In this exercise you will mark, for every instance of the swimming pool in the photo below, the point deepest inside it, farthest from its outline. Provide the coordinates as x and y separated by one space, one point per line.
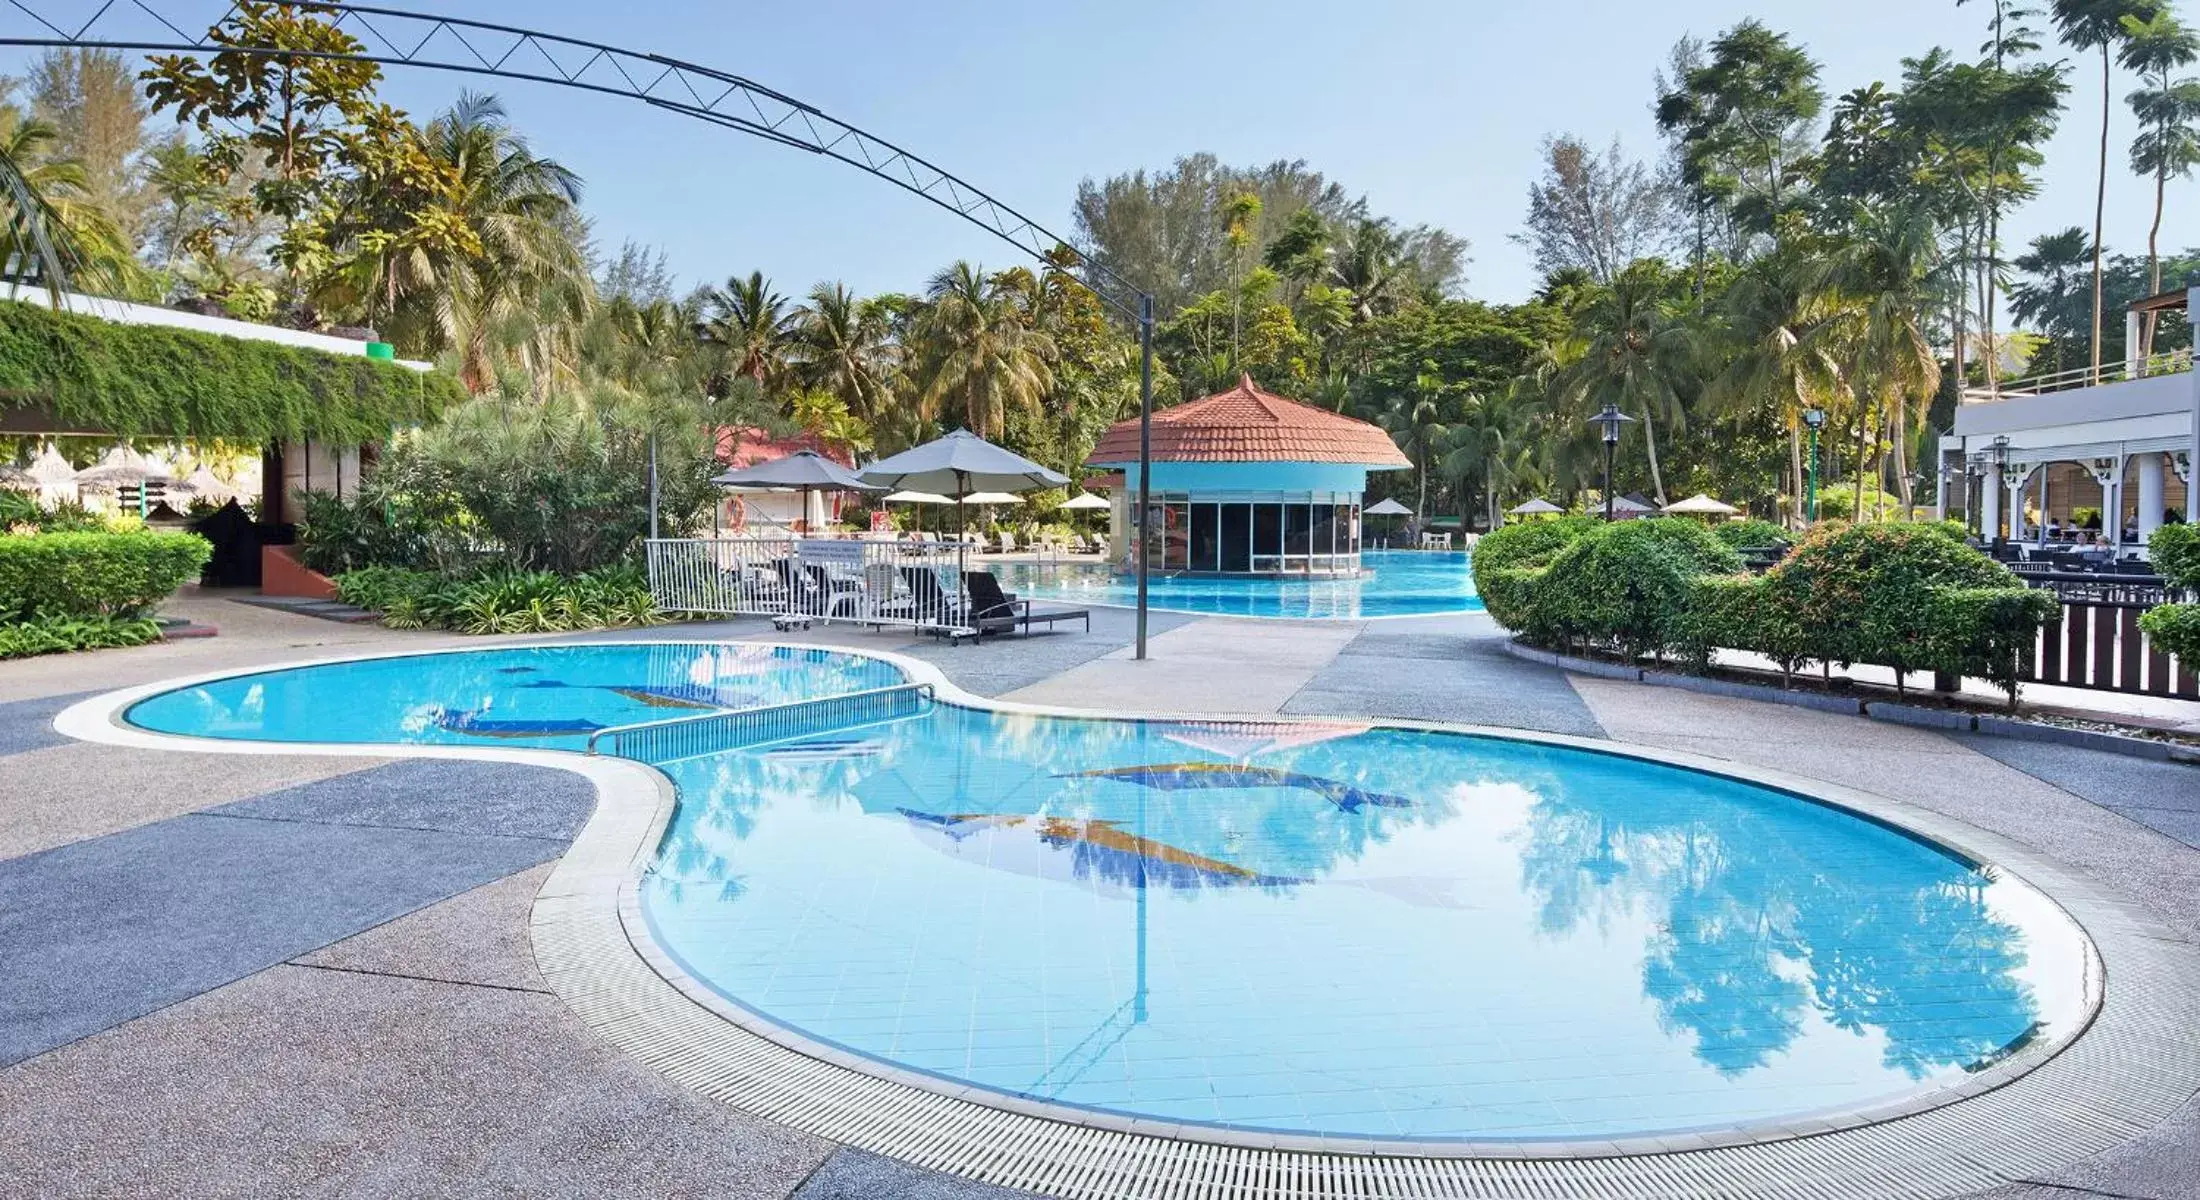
1321 926
1398 583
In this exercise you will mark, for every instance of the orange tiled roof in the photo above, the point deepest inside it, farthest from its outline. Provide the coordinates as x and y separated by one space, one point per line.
745 446
1246 424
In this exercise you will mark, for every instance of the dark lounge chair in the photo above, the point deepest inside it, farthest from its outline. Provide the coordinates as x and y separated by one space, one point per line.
995 611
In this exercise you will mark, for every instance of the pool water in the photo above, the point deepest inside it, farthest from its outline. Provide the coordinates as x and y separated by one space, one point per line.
1397 583
1319 926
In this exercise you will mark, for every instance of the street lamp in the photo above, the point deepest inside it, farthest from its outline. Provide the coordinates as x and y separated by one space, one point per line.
1813 417
1609 420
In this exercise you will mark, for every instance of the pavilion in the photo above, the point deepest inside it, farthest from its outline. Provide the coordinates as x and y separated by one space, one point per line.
1246 482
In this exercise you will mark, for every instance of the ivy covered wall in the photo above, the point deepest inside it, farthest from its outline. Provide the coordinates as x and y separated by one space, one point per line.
91 375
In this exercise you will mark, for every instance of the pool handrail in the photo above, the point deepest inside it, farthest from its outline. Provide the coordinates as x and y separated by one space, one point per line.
761 712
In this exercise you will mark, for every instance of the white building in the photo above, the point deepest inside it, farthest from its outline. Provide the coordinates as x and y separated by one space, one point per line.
2028 453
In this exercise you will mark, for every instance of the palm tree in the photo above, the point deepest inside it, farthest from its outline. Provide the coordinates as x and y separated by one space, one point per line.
2087 25
1882 281
48 227
1489 444
1639 354
1415 422
2049 293
976 354
840 347
2169 111
1768 321
753 326
490 261
1369 264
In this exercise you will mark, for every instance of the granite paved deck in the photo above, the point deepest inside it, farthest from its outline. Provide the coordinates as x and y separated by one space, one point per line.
369 1019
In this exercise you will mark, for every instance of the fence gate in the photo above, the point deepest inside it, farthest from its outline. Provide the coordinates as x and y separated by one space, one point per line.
2098 644
917 585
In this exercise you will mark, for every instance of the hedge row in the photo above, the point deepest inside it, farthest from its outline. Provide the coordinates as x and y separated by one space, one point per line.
502 601
60 635
64 575
132 379
1909 597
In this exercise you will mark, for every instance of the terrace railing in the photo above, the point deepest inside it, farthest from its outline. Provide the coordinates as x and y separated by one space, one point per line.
2098 644
679 738
2168 363
917 585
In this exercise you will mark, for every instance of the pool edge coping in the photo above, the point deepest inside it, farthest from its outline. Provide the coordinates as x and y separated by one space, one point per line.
596 952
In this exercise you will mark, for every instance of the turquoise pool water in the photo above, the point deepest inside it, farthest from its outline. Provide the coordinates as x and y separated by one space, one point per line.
1398 583
1316 926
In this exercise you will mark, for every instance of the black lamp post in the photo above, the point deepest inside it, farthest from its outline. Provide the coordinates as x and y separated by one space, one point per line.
1609 420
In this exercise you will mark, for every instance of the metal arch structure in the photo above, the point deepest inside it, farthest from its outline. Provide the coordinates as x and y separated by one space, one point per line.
400 38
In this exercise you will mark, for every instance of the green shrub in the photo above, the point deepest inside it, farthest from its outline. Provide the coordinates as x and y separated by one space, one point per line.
1988 633
94 574
1749 534
502 601
1508 560
21 508
2175 552
1630 584
60 635
2175 629
18 508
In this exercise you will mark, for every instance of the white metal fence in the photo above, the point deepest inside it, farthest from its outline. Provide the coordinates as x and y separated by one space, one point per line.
865 582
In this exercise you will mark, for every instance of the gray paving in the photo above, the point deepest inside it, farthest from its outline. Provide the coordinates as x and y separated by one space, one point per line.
1443 676
306 1082
28 724
852 1174
105 930
2163 796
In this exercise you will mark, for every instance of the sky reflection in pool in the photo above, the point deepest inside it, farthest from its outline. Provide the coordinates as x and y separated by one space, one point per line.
1521 942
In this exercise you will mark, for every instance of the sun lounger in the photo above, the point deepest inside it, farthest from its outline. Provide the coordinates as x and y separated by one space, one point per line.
995 611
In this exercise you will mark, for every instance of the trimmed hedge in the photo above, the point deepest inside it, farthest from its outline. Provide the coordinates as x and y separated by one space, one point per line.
2175 628
1905 596
94 574
1749 534
139 379
1508 560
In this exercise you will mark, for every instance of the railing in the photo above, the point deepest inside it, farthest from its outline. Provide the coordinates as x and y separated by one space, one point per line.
2167 363
2096 587
2099 645
678 738
917 585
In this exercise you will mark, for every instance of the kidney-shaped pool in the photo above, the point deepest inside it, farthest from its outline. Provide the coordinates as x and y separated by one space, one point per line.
1312 926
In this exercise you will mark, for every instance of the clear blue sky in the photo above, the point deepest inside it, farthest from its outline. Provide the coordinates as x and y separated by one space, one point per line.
1434 110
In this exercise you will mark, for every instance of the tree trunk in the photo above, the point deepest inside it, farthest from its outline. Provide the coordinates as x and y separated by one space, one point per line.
2100 212
1863 424
2154 263
1907 458
1650 440
1796 478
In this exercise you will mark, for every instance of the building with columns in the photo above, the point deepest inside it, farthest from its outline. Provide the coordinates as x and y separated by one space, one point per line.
2027 455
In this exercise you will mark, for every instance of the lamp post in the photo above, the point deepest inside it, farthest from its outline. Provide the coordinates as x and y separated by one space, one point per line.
1814 418
1609 421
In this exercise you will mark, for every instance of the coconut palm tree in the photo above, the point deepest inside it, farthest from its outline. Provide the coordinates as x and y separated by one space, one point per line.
1881 284
975 354
1369 265
1415 422
487 262
2089 25
1639 354
1768 321
753 327
49 229
1489 444
840 347
2169 122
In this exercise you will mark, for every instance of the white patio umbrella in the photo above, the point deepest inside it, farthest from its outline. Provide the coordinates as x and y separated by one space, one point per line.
1386 507
1701 505
52 477
203 484
916 498
991 498
1538 507
959 464
119 468
1083 500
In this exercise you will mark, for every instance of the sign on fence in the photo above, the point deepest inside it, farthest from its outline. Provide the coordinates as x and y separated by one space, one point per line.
830 552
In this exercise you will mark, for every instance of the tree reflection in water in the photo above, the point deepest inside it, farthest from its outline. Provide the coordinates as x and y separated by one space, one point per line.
1754 931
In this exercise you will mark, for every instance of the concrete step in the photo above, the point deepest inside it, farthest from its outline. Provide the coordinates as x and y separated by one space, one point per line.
326 610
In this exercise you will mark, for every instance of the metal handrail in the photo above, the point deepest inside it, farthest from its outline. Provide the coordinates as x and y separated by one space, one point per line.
2167 363
759 712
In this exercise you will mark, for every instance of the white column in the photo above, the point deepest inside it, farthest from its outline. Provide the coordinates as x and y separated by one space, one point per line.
1989 509
2150 494
2192 447
2018 480
2134 361
2041 492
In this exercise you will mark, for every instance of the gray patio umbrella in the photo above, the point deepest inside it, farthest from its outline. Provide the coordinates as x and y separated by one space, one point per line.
1386 508
805 471
959 464
1538 507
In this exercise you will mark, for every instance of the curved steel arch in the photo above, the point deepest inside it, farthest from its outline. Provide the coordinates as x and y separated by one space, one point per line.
396 37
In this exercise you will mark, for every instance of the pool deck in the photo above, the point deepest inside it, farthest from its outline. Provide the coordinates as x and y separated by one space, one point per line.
293 974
